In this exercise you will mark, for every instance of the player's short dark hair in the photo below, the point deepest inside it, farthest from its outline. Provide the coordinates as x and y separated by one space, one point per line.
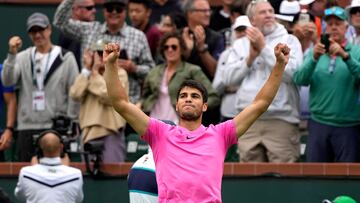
194 84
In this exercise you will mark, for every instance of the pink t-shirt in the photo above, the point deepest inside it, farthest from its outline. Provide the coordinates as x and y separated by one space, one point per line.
189 164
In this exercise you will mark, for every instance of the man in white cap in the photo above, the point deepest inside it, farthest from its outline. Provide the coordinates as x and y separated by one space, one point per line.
44 74
354 19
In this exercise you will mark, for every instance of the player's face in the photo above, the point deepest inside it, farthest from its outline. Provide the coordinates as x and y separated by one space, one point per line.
190 105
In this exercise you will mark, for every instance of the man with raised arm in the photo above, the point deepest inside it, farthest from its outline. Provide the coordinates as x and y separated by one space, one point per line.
189 157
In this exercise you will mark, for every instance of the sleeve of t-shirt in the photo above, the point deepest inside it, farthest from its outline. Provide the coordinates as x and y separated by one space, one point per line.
154 132
228 130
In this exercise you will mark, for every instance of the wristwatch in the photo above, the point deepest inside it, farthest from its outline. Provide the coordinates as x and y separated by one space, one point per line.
204 49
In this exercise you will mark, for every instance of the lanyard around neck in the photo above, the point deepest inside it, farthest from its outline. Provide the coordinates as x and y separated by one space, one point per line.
38 69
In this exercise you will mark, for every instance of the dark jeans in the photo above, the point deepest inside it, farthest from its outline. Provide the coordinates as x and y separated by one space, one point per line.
332 144
25 145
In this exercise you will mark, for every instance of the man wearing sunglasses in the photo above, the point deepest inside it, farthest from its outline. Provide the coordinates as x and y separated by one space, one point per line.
114 29
83 10
354 19
331 70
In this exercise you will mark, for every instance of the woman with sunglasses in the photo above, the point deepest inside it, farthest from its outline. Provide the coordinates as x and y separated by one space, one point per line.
162 83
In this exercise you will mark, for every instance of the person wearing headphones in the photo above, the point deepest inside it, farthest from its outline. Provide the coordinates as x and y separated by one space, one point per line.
50 180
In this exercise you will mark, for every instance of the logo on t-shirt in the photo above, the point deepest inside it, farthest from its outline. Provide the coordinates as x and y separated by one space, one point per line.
188 137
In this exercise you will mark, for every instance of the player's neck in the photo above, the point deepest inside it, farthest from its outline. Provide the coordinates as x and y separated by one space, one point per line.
190 125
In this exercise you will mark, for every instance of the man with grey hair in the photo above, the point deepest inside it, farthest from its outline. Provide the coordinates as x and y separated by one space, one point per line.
274 137
204 45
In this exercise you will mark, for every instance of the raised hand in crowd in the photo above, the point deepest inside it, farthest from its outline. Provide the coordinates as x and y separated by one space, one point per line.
305 31
188 37
336 49
15 44
127 64
319 49
199 34
256 38
88 59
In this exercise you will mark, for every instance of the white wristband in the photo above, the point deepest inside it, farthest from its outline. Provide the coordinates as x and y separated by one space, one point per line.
86 72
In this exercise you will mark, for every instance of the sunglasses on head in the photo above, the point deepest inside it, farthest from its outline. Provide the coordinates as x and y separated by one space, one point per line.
89 8
111 8
173 47
334 11
355 10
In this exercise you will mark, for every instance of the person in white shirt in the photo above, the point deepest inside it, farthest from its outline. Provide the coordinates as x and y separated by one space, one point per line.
50 180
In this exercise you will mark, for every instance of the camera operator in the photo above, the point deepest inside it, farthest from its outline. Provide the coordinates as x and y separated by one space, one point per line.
50 180
331 70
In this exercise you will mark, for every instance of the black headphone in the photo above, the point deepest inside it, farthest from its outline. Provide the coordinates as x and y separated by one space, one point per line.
39 152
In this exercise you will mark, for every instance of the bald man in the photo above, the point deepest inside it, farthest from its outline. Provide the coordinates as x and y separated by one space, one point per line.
50 180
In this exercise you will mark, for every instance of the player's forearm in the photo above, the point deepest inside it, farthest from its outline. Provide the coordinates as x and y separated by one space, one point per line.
271 86
116 91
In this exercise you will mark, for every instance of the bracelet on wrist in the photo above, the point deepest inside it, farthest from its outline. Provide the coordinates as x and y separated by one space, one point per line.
10 128
204 49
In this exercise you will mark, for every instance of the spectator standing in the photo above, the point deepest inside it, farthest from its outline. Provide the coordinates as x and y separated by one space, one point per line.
139 13
274 137
162 83
7 100
204 45
354 19
50 180
43 74
333 76
163 7
98 120
220 17
114 29
82 10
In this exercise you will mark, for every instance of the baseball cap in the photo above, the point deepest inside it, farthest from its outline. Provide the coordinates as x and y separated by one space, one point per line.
335 11
306 2
241 21
354 4
123 2
37 19
288 9
341 199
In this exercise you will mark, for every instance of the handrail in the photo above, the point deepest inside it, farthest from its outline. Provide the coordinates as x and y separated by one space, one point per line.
230 169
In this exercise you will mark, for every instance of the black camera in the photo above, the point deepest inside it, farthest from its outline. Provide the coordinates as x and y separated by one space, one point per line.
94 146
64 128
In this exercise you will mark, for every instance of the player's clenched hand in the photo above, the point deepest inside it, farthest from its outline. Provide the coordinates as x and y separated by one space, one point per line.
111 53
282 53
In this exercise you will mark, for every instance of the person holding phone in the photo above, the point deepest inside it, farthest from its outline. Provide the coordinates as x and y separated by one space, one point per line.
98 120
333 77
